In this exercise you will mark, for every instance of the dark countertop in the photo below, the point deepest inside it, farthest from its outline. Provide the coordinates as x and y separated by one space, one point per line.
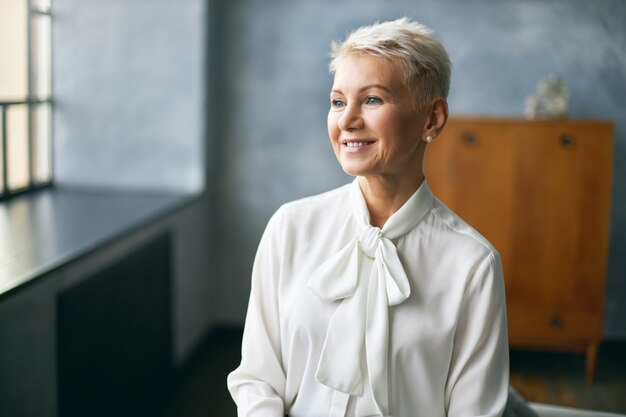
45 229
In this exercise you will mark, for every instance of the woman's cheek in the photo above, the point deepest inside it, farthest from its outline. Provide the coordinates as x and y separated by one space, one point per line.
333 129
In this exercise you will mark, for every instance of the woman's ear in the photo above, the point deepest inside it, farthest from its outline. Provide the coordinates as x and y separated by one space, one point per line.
436 118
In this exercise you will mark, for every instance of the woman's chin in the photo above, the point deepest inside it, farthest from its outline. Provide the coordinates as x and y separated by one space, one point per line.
355 170
354 163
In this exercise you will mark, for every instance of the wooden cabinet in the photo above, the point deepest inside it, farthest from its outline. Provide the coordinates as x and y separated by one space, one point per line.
540 192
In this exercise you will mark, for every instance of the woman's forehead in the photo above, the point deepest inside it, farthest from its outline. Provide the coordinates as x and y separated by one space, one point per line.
359 70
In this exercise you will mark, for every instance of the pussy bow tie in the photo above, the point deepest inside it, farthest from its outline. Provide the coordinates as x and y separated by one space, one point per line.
368 277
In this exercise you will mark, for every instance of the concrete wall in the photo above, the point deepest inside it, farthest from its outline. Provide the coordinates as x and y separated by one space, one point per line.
128 90
273 99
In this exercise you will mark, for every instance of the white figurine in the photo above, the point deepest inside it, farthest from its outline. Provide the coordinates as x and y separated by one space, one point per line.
549 101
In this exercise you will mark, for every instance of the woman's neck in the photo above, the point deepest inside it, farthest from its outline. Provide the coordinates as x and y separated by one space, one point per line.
384 195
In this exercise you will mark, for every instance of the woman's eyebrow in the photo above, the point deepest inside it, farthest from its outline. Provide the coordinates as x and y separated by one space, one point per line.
366 87
380 86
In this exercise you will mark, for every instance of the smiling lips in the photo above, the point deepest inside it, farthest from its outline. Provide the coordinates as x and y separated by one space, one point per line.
356 145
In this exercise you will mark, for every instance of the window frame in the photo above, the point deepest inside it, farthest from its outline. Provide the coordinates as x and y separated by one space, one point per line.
32 101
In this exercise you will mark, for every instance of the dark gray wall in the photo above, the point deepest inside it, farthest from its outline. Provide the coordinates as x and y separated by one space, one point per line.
129 88
274 98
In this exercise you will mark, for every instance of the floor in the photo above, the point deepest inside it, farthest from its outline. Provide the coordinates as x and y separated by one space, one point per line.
547 377
202 388
559 378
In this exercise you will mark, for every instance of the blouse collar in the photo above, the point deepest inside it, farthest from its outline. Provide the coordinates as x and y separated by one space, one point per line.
403 220
358 333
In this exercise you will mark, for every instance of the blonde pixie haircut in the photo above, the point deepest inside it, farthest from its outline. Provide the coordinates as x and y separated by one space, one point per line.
423 61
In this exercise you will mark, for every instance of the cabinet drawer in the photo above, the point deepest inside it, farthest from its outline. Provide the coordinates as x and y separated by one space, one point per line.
528 325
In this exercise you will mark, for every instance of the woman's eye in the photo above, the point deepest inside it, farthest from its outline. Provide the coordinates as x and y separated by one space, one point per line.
373 100
337 103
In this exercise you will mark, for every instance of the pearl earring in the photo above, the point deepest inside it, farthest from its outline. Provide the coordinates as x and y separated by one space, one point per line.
429 139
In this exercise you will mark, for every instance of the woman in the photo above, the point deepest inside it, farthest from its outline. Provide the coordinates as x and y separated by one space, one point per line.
374 299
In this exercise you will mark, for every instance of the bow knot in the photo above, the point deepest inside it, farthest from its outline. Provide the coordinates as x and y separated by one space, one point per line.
369 240
368 277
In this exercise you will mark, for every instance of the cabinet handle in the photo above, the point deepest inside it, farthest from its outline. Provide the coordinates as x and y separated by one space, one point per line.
469 139
556 322
567 141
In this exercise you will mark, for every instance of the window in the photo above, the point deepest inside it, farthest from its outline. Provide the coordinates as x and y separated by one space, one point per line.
25 95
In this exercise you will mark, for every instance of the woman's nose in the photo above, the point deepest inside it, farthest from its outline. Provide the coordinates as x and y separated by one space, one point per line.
350 119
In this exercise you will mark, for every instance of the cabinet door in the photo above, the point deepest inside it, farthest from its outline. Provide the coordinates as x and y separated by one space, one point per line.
540 192
114 337
560 243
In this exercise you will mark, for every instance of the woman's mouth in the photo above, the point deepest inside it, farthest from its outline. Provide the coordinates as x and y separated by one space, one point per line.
357 145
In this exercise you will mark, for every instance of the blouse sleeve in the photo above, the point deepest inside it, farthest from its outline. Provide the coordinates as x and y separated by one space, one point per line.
258 384
479 371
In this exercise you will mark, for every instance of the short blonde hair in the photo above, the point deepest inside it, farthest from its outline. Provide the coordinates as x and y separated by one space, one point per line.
424 62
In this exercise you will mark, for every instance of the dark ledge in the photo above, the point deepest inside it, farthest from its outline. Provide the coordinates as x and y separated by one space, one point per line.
45 229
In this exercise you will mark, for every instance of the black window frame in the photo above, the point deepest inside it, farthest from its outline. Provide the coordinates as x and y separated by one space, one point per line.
32 102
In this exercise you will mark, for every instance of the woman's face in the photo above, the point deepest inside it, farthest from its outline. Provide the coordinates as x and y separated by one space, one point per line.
373 124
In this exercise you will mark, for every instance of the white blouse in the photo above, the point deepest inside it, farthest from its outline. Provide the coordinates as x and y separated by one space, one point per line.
346 319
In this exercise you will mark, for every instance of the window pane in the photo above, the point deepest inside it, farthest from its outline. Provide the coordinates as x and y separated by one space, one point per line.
17 146
13 49
42 167
41 55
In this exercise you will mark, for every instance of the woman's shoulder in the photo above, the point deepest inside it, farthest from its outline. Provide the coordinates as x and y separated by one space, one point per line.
457 229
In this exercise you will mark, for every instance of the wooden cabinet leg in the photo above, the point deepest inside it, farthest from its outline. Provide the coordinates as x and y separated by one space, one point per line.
590 361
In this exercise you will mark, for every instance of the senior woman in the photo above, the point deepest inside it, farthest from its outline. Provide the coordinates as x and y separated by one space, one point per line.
374 299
